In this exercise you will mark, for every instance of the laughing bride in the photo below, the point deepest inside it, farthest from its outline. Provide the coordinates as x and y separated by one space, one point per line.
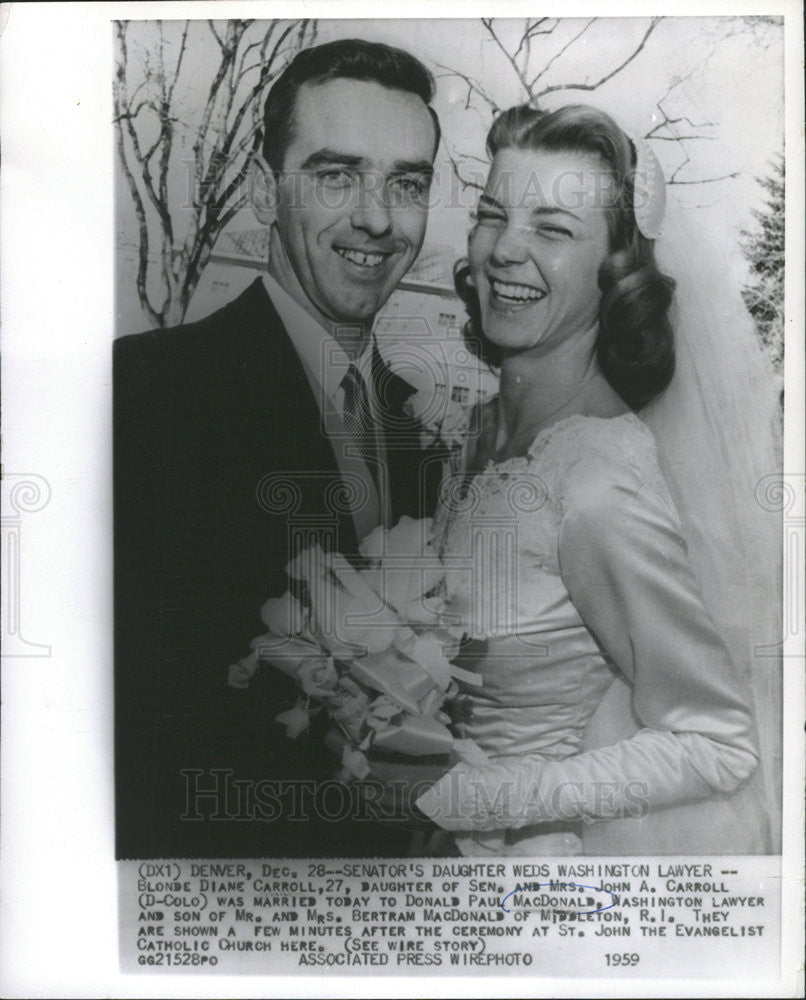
615 714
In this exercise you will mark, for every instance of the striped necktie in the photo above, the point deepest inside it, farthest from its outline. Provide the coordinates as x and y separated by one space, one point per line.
358 418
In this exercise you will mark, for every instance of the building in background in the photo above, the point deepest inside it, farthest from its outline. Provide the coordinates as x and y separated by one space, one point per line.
426 291
419 330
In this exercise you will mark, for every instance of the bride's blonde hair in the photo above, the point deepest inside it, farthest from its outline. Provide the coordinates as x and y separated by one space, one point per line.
635 345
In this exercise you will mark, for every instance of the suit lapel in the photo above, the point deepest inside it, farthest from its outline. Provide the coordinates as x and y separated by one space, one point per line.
300 449
414 474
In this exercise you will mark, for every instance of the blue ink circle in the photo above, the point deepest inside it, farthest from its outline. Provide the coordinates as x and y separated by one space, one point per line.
570 885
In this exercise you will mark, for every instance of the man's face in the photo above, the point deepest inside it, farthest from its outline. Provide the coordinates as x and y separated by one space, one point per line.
351 200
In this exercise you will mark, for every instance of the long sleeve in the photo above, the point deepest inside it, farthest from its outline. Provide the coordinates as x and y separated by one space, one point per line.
624 564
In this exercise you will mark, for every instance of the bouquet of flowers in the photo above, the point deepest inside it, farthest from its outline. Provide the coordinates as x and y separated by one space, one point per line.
371 647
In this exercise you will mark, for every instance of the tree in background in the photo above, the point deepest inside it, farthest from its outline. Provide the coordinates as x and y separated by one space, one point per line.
763 246
158 130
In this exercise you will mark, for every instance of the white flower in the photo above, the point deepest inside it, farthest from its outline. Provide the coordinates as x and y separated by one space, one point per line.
353 765
318 676
432 702
444 411
347 706
296 720
241 673
347 616
404 568
409 537
372 547
284 615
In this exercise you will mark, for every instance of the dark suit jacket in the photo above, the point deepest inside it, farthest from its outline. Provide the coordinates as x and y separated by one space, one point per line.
219 451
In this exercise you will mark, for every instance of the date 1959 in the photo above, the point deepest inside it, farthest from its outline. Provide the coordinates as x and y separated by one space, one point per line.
623 958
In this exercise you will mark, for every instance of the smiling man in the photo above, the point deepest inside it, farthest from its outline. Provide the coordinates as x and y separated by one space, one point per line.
347 201
240 437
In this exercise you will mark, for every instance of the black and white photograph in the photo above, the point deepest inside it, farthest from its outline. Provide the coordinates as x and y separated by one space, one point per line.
596 614
446 597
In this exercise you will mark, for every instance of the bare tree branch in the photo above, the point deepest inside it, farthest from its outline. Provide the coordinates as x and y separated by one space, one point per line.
673 127
210 104
607 76
166 142
149 131
682 138
559 54
120 100
142 162
702 180
182 46
133 113
218 38
472 87
668 121
533 29
261 45
488 24
265 77
466 182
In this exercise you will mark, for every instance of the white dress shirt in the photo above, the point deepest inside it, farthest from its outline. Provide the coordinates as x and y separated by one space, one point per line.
325 364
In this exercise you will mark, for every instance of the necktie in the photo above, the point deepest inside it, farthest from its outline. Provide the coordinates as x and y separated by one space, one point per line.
358 418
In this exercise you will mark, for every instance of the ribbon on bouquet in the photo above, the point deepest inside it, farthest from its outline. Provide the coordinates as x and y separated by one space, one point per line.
285 652
428 652
402 680
413 735
433 651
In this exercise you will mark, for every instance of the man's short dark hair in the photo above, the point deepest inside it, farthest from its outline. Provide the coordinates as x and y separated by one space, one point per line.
349 59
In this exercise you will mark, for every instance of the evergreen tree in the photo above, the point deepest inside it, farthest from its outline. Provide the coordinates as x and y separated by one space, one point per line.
763 246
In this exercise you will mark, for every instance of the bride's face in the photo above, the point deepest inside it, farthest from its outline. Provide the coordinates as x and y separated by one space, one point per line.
539 241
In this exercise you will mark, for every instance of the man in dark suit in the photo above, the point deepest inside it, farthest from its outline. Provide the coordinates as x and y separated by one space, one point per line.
237 438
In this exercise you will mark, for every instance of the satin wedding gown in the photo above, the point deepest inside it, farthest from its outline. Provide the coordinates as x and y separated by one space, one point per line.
571 577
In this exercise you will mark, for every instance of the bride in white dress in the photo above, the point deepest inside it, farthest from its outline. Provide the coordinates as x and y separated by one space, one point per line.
613 714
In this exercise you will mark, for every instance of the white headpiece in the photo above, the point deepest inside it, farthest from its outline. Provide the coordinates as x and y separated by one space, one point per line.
649 197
